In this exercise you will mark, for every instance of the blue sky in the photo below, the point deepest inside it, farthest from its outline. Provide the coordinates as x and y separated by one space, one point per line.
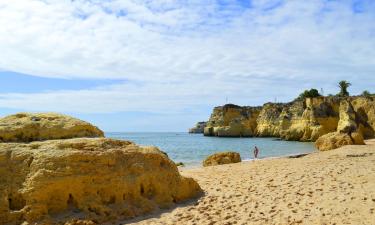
162 65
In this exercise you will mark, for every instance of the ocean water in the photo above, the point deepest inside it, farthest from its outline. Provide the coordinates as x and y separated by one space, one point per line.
192 149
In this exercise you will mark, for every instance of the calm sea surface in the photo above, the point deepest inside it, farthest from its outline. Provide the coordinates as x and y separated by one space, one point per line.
192 149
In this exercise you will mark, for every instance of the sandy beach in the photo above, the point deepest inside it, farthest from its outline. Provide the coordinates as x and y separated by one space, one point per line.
333 187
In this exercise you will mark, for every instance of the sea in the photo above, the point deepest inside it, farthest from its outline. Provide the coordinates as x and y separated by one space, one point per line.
192 149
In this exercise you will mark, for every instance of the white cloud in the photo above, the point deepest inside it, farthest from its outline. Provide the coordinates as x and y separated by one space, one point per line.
179 54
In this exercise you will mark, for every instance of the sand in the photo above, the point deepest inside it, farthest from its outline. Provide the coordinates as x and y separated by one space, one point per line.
334 187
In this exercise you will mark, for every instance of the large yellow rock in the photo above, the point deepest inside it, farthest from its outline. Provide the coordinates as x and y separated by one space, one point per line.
27 127
92 178
221 158
335 140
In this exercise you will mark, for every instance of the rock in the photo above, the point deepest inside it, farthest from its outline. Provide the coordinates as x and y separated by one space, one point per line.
332 141
80 222
232 121
199 128
349 129
27 127
365 115
298 120
347 122
336 139
98 179
222 158
357 138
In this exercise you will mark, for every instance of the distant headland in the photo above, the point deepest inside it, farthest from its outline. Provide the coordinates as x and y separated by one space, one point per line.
311 116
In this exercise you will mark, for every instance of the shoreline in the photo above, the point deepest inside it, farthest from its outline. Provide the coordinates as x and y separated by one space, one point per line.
336 186
295 155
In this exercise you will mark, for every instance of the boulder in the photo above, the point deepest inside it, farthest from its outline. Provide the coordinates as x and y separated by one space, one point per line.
357 138
96 179
335 140
222 158
27 127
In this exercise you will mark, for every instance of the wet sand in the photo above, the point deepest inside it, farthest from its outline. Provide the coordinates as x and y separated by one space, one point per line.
334 187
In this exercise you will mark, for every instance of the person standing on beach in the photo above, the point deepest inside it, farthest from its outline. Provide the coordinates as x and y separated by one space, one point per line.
256 152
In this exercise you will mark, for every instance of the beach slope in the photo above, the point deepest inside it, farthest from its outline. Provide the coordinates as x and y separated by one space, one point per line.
333 187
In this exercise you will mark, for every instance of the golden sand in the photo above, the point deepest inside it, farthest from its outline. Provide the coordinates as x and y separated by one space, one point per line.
334 187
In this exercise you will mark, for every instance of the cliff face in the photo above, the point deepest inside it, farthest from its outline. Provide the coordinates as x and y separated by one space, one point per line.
300 120
232 121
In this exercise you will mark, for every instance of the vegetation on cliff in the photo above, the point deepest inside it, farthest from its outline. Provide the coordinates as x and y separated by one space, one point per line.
344 85
312 93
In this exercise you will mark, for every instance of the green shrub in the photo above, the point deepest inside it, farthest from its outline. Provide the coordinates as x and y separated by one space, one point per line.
308 94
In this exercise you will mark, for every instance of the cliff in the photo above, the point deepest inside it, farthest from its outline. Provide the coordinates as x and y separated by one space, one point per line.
96 179
198 128
299 120
232 121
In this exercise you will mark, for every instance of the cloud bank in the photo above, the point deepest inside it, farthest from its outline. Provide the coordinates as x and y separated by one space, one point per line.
175 55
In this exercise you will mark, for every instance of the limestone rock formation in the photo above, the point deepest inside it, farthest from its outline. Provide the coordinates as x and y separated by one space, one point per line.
299 120
335 140
199 128
232 121
96 179
222 158
27 127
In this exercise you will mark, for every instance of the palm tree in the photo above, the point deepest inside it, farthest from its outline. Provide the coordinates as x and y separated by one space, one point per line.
343 85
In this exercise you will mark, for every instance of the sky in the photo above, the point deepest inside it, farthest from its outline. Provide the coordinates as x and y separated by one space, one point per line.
162 65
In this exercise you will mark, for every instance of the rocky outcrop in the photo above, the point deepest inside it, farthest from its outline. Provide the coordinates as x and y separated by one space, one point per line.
27 127
222 158
95 179
299 120
101 179
349 131
335 140
199 128
232 121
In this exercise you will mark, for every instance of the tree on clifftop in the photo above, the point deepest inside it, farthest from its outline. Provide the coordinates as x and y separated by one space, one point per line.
366 94
309 94
343 85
